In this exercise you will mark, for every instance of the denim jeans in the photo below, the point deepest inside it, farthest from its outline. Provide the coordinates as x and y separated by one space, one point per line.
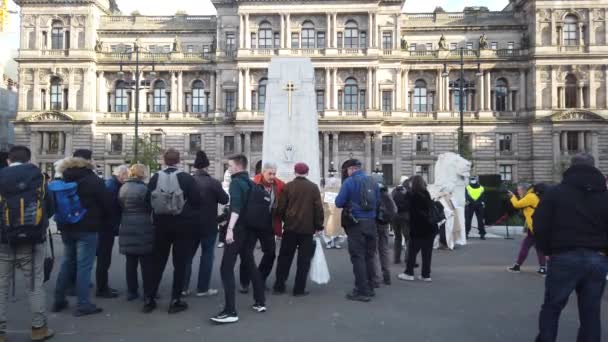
580 270
79 254
205 266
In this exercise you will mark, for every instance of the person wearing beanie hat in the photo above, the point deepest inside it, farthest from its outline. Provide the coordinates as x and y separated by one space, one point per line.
83 153
475 205
212 194
302 212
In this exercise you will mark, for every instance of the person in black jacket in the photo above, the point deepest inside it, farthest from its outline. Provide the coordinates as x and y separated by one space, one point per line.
212 194
571 227
422 232
177 231
80 239
401 221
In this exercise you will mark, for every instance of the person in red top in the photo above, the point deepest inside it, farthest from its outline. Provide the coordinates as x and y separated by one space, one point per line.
274 187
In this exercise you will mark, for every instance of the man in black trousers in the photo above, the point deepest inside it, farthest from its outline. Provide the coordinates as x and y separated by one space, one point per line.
301 209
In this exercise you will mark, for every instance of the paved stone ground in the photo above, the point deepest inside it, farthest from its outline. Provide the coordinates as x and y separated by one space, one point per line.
472 298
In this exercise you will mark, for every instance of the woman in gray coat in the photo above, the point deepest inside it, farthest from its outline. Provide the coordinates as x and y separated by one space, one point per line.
136 234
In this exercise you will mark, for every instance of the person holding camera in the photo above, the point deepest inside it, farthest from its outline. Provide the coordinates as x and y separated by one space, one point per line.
360 195
527 200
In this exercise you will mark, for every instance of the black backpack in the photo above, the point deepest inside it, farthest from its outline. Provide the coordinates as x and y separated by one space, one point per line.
367 194
402 199
258 216
437 213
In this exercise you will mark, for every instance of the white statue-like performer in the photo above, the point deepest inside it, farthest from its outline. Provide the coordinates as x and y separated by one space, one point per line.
451 175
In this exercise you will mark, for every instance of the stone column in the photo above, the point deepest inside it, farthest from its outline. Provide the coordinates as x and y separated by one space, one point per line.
398 88
335 89
37 101
288 33
522 90
580 102
553 30
61 143
173 92
368 152
556 148
248 148
325 154
218 104
35 145
397 40
404 90
592 103
581 141
488 89
142 96
69 144
378 147
238 142
329 35
564 148
591 28
212 89
282 30
327 88
370 90
481 92
241 90
581 33
370 30
100 92
335 30
336 150
71 90
509 101
595 151
219 156
376 90
45 142
247 37
247 89
553 87
537 89
241 31
180 92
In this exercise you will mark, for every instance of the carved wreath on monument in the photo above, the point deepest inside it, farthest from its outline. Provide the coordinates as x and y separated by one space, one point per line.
289 153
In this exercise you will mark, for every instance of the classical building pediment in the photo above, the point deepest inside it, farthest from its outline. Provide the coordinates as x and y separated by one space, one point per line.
576 115
49 117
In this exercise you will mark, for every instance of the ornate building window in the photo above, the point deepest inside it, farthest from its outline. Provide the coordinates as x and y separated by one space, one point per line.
160 97
571 95
420 97
121 100
423 171
198 97
387 101
116 143
502 92
57 34
506 172
456 95
262 94
308 35
351 91
265 36
351 35
56 94
570 30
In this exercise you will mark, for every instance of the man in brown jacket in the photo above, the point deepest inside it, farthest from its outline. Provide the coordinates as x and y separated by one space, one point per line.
301 210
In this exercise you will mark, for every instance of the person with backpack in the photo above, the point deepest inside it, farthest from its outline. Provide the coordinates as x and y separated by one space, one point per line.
212 195
267 178
81 210
571 228
25 208
387 210
301 210
242 217
360 194
527 201
401 221
424 217
175 201
107 236
136 233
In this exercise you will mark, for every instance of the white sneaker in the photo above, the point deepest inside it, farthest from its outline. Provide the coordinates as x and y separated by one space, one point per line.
428 280
220 245
259 307
225 317
209 293
403 276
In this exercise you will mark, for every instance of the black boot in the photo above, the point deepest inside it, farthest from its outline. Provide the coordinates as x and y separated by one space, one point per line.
149 305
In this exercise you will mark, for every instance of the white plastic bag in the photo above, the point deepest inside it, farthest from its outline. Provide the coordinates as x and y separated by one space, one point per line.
319 272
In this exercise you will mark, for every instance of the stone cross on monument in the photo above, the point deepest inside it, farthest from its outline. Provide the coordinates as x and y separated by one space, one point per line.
290 88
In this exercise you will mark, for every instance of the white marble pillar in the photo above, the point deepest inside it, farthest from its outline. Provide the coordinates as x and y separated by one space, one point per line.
61 142
288 31
247 35
180 92
45 142
446 94
329 35
335 29
580 101
581 34
481 92
238 142
282 30
553 29
397 38
378 147
336 149
173 92
398 88
553 87
325 154
370 30
37 100
247 89
591 28
142 96
370 88
327 88
488 89
405 88
241 31
556 153
69 144
376 90
368 153
100 92
71 90
213 87
538 100
595 151
591 89
564 148
522 90
248 148
218 91
581 141
335 87
241 90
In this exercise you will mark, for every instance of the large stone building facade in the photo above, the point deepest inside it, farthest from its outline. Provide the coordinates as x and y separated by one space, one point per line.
535 82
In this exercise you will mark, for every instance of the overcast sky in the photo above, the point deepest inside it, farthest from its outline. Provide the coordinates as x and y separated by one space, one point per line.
10 38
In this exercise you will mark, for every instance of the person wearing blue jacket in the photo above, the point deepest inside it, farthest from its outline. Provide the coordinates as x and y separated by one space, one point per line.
360 195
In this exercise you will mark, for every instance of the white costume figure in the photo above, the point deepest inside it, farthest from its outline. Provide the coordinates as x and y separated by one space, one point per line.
451 175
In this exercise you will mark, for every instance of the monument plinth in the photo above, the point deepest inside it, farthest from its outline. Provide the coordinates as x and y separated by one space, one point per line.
291 132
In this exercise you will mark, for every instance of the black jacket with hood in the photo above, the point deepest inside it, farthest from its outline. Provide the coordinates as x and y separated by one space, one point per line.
92 193
573 214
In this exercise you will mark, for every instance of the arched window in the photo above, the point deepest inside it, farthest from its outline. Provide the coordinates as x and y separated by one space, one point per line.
262 94
457 97
57 35
570 30
350 95
420 96
571 95
56 94
160 97
351 35
198 97
308 35
265 36
121 98
501 92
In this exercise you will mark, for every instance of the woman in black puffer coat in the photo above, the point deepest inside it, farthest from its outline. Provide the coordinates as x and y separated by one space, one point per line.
422 231
136 234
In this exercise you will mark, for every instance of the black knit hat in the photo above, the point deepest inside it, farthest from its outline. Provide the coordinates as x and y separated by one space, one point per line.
83 153
201 160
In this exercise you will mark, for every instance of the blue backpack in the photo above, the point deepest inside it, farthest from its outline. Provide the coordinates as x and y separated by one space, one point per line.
68 209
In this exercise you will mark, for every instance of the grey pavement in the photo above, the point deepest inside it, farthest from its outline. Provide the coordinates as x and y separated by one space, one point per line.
472 298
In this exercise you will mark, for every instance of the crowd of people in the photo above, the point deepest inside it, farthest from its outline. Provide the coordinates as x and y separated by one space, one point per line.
177 213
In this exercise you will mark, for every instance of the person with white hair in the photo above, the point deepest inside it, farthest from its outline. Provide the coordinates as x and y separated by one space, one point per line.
105 242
